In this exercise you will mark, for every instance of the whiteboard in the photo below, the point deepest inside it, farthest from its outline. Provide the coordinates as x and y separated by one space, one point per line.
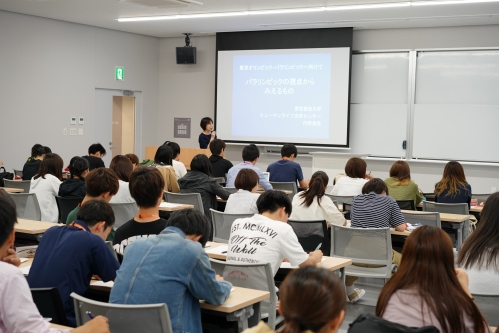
456 114
379 103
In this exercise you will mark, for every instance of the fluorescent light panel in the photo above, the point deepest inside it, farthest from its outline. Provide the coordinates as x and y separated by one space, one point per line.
301 10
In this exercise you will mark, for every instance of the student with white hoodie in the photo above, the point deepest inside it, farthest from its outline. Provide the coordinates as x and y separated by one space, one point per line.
45 184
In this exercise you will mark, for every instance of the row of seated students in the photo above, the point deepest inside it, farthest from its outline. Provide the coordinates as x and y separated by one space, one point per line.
173 268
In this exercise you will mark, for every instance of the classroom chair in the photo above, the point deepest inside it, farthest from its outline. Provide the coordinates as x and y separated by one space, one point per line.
123 212
23 184
489 307
310 234
49 304
364 246
429 196
221 223
220 180
347 210
27 206
257 276
425 218
458 208
406 204
65 205
287 186
18 173
125 318
231 190
185 198
341 199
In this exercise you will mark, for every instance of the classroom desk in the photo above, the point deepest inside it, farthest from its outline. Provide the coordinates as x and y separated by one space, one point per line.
476 209
60 327
258 191
12 189
172 207
33 227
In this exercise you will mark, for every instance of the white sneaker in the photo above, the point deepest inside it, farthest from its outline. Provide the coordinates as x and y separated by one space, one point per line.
356 295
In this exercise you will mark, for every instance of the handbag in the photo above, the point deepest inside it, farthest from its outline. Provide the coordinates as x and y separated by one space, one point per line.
372 324
5 175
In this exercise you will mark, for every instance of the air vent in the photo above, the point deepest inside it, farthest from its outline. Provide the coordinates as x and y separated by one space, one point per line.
162 3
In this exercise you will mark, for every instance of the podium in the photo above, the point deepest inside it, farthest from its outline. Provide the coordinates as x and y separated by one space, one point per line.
186 154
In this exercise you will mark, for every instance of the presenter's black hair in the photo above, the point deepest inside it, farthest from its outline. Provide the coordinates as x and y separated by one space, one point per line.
204 122
191 222
96 148
250 153
288 149
272 200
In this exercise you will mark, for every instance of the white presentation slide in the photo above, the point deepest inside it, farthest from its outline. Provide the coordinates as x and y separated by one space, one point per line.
291 95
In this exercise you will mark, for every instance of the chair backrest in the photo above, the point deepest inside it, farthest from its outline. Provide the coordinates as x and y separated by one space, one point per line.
231 190
341 199
123 212
480 197
220 180
125 318
186 198
27 206
18 173
406 204
254 276
289 186
23 184
221 223
65 205
310 234
347 210
425 218
489 307
430 196
365 246
49 304
457 208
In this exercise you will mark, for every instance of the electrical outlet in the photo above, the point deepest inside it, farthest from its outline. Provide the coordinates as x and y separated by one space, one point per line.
493 190
72 131
80 131
64 131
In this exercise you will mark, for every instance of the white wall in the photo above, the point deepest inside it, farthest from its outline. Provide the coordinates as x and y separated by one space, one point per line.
49 71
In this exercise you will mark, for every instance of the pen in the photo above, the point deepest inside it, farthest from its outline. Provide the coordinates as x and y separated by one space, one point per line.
89 314
318 247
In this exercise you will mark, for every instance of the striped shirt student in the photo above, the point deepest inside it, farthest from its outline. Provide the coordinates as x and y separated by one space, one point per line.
373 210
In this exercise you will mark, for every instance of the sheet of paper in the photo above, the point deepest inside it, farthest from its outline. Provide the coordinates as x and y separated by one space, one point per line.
23 260
108 284
288 265
169 205
222 249
25 270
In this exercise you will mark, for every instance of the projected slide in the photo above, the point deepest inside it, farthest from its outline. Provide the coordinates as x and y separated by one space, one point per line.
293 95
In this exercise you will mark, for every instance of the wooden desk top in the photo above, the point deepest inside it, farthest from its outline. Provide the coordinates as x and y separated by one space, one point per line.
33 227
476 209
172 207
444 217
26 263
238 299
12 189
60 327
400 233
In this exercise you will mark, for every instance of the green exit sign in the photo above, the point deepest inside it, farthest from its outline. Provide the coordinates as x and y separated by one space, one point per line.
120 73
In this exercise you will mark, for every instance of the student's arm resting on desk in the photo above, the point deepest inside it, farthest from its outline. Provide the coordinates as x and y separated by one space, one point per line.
262 180
331 214
293 251
397 220
203 283
219 190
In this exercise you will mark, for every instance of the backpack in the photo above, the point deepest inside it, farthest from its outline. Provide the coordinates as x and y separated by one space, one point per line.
372 324
5 175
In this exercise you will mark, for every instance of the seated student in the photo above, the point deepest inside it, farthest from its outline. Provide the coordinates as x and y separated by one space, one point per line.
45 184
374 209
427 289
18 313
179 167
208 133
219 164
200 180
183 277
312 204
453 187
355 178
101 184
67 257
244 200
95 154
287 170
277 240
303 295
163 162
479 255
30 168
401 186
146 187
250 157
134 159
75 185
122 167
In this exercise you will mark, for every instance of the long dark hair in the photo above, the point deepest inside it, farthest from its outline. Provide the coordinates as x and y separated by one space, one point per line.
201 163
310 298
427 266
77 166
452 179
316 188
51 164
482 246
164 155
